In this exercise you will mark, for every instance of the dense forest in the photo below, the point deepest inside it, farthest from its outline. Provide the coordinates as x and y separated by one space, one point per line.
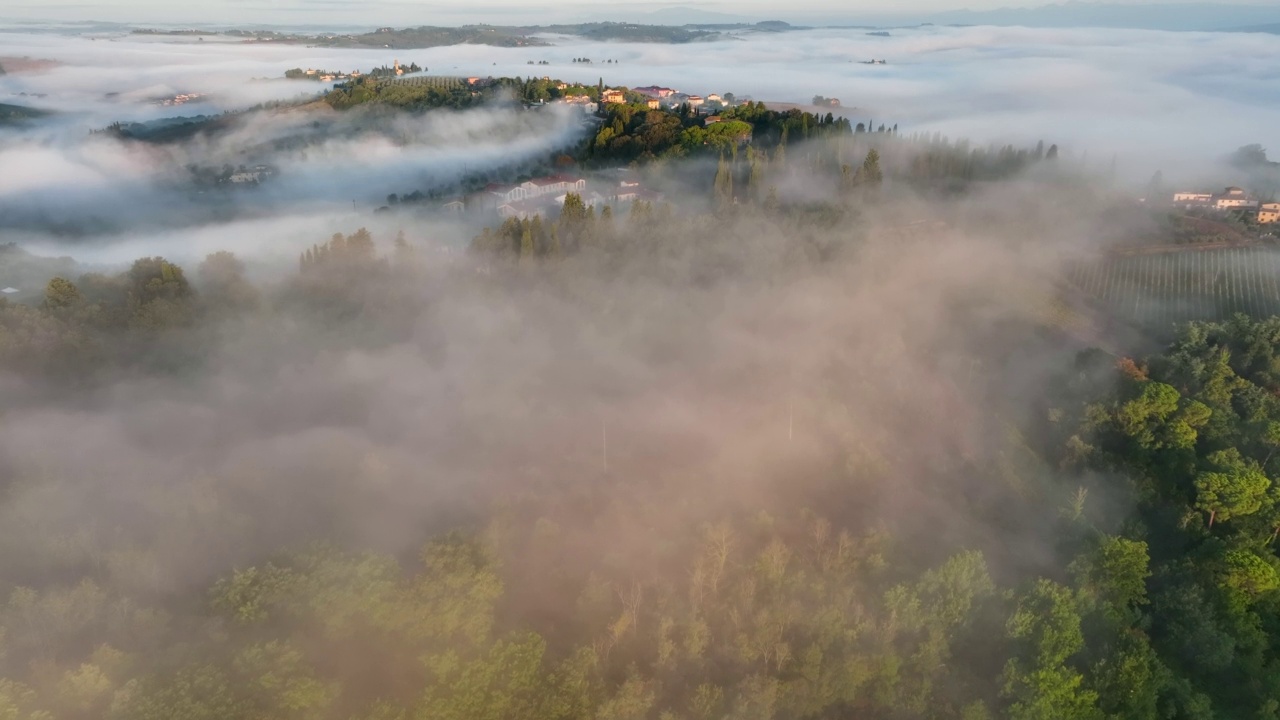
744 464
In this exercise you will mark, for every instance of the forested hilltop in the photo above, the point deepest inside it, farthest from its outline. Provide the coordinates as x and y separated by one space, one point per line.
776 458
497 35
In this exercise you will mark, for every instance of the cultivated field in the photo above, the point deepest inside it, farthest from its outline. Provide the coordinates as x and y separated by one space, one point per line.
1158 290
431 81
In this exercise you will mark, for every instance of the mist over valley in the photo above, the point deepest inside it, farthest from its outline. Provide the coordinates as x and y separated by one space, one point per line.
624 372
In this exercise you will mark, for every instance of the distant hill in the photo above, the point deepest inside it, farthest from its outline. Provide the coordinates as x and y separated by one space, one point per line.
1273 28
418 38
692 16
28 274
10 114
627 32
14 65
497 35
1165 16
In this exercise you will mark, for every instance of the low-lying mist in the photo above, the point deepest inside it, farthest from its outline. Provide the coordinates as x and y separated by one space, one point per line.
814 428
715 357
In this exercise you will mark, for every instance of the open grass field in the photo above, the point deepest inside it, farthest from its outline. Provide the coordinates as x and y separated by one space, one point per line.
1158 290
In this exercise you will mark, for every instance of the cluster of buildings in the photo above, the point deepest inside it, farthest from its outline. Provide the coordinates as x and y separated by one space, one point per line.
396 70
328 75
180 99
546 195
656 97
584 103
1232 198
671 98
255 174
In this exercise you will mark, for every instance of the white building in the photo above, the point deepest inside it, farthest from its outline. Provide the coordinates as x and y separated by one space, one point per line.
582 102
1231 198
525 200
557 184
1230 203
505 193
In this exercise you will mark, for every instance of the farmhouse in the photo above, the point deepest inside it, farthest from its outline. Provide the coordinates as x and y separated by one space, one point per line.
653 103
1192 198
612 96
1269 213
1233 197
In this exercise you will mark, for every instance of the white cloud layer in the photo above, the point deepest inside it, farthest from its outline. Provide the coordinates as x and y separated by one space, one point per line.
1154 100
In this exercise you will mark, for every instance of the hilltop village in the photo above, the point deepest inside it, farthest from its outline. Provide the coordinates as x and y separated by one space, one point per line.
616 119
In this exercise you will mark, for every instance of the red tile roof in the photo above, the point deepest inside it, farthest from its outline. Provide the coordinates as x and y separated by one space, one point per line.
554 179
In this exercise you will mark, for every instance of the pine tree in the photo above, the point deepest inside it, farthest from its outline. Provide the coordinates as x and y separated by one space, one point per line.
1155 186
849 178
526 243
771 200
756 174
641 213
871 174
540 240
404 251
723 185
553 249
